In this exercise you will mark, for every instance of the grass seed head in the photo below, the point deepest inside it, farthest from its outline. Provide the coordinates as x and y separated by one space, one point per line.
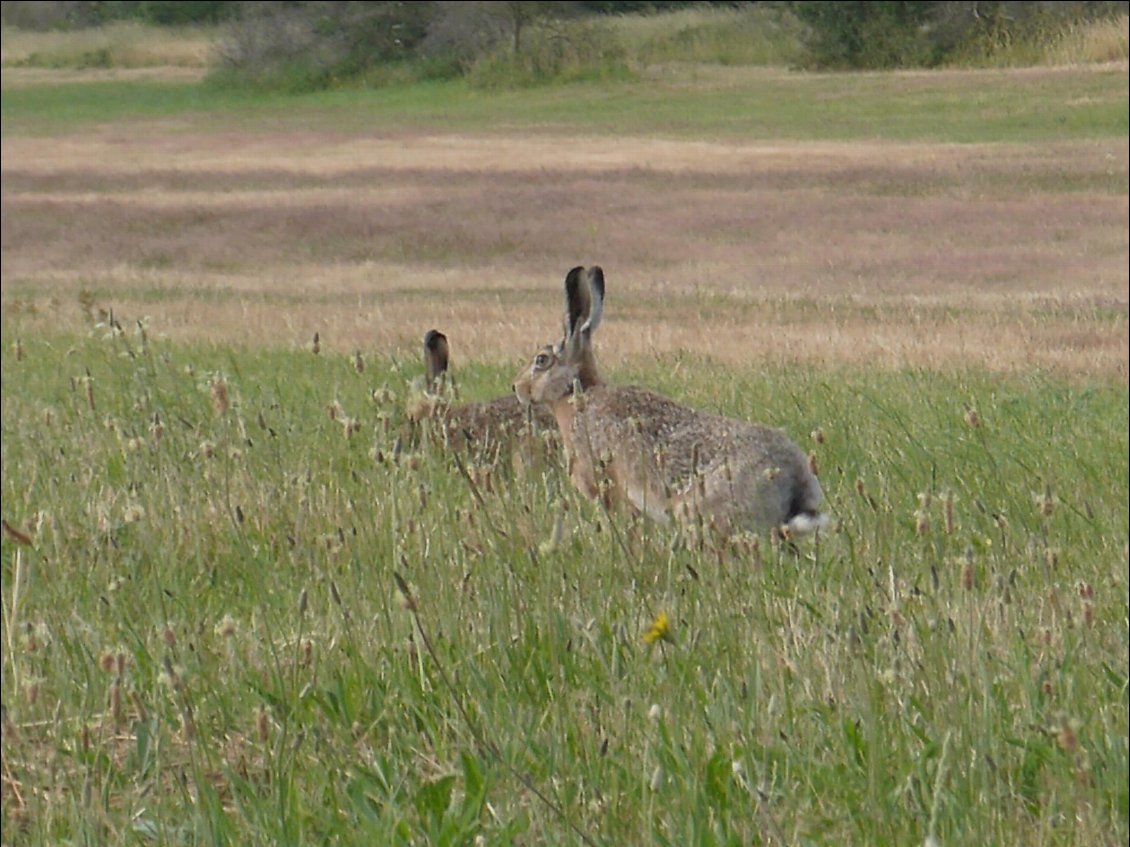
226 628
219 391
404 595
115 703
1045 502
1067 737
14 535
138 706
947 512
88 386
384 396
350 426
921 522
967 570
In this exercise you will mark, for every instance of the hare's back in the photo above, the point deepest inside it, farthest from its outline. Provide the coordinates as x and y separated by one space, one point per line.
496 419
685 442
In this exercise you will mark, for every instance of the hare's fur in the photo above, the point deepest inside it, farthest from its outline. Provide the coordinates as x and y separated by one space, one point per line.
485 428
666 460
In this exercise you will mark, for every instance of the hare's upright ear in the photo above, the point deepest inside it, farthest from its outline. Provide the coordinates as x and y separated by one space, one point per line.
577 301
596 301
435 357
584 308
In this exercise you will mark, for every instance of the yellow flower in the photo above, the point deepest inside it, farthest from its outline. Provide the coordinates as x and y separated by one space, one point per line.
660 629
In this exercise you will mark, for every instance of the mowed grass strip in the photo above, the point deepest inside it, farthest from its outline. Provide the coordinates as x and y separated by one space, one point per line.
204 640
1042 104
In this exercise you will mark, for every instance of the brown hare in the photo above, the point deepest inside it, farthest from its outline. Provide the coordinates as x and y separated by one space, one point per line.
630 444
486 429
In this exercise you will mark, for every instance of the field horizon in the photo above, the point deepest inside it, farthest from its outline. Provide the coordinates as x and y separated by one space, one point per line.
892 250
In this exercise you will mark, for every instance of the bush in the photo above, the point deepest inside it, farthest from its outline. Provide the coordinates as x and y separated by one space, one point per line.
318 45
884 34
41 15
1015 34
553 52
923 34
756 34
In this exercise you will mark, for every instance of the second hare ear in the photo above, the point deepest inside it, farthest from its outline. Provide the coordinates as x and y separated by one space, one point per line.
435 356
596 301
577 301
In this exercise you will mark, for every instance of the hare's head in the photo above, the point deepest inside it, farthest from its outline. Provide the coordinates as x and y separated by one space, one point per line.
556 368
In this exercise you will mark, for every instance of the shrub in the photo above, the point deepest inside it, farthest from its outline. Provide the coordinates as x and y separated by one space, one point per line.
317 45
922 34
553 51
1029 34
754 34
881 34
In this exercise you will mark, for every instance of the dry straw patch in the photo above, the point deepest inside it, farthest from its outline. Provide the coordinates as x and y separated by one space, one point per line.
1004 256
123 44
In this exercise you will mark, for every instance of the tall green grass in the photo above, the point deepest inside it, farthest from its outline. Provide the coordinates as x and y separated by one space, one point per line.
755 35
205 641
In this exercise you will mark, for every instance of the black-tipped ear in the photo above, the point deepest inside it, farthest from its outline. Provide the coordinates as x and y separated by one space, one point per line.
596 299
577 300
596 280
435 355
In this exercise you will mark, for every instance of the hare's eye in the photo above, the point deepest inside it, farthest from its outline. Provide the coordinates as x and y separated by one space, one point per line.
541 360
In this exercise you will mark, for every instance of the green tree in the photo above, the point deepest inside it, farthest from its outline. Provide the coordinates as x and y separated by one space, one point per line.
878 34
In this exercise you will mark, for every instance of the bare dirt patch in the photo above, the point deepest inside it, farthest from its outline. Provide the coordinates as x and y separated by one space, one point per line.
1002 256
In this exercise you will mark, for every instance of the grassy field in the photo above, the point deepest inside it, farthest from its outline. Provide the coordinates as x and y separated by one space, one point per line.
921 277
205 643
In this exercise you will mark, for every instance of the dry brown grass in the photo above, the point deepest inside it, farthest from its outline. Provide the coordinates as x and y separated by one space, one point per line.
121 45
1000 256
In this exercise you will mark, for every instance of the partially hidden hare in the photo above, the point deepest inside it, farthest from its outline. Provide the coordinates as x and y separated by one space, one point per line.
487 428
629 444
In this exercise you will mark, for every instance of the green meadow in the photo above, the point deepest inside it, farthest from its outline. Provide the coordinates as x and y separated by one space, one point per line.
248 600
206 642
949 106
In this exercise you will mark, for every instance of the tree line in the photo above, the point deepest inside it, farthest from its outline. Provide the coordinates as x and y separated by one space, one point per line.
322 43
